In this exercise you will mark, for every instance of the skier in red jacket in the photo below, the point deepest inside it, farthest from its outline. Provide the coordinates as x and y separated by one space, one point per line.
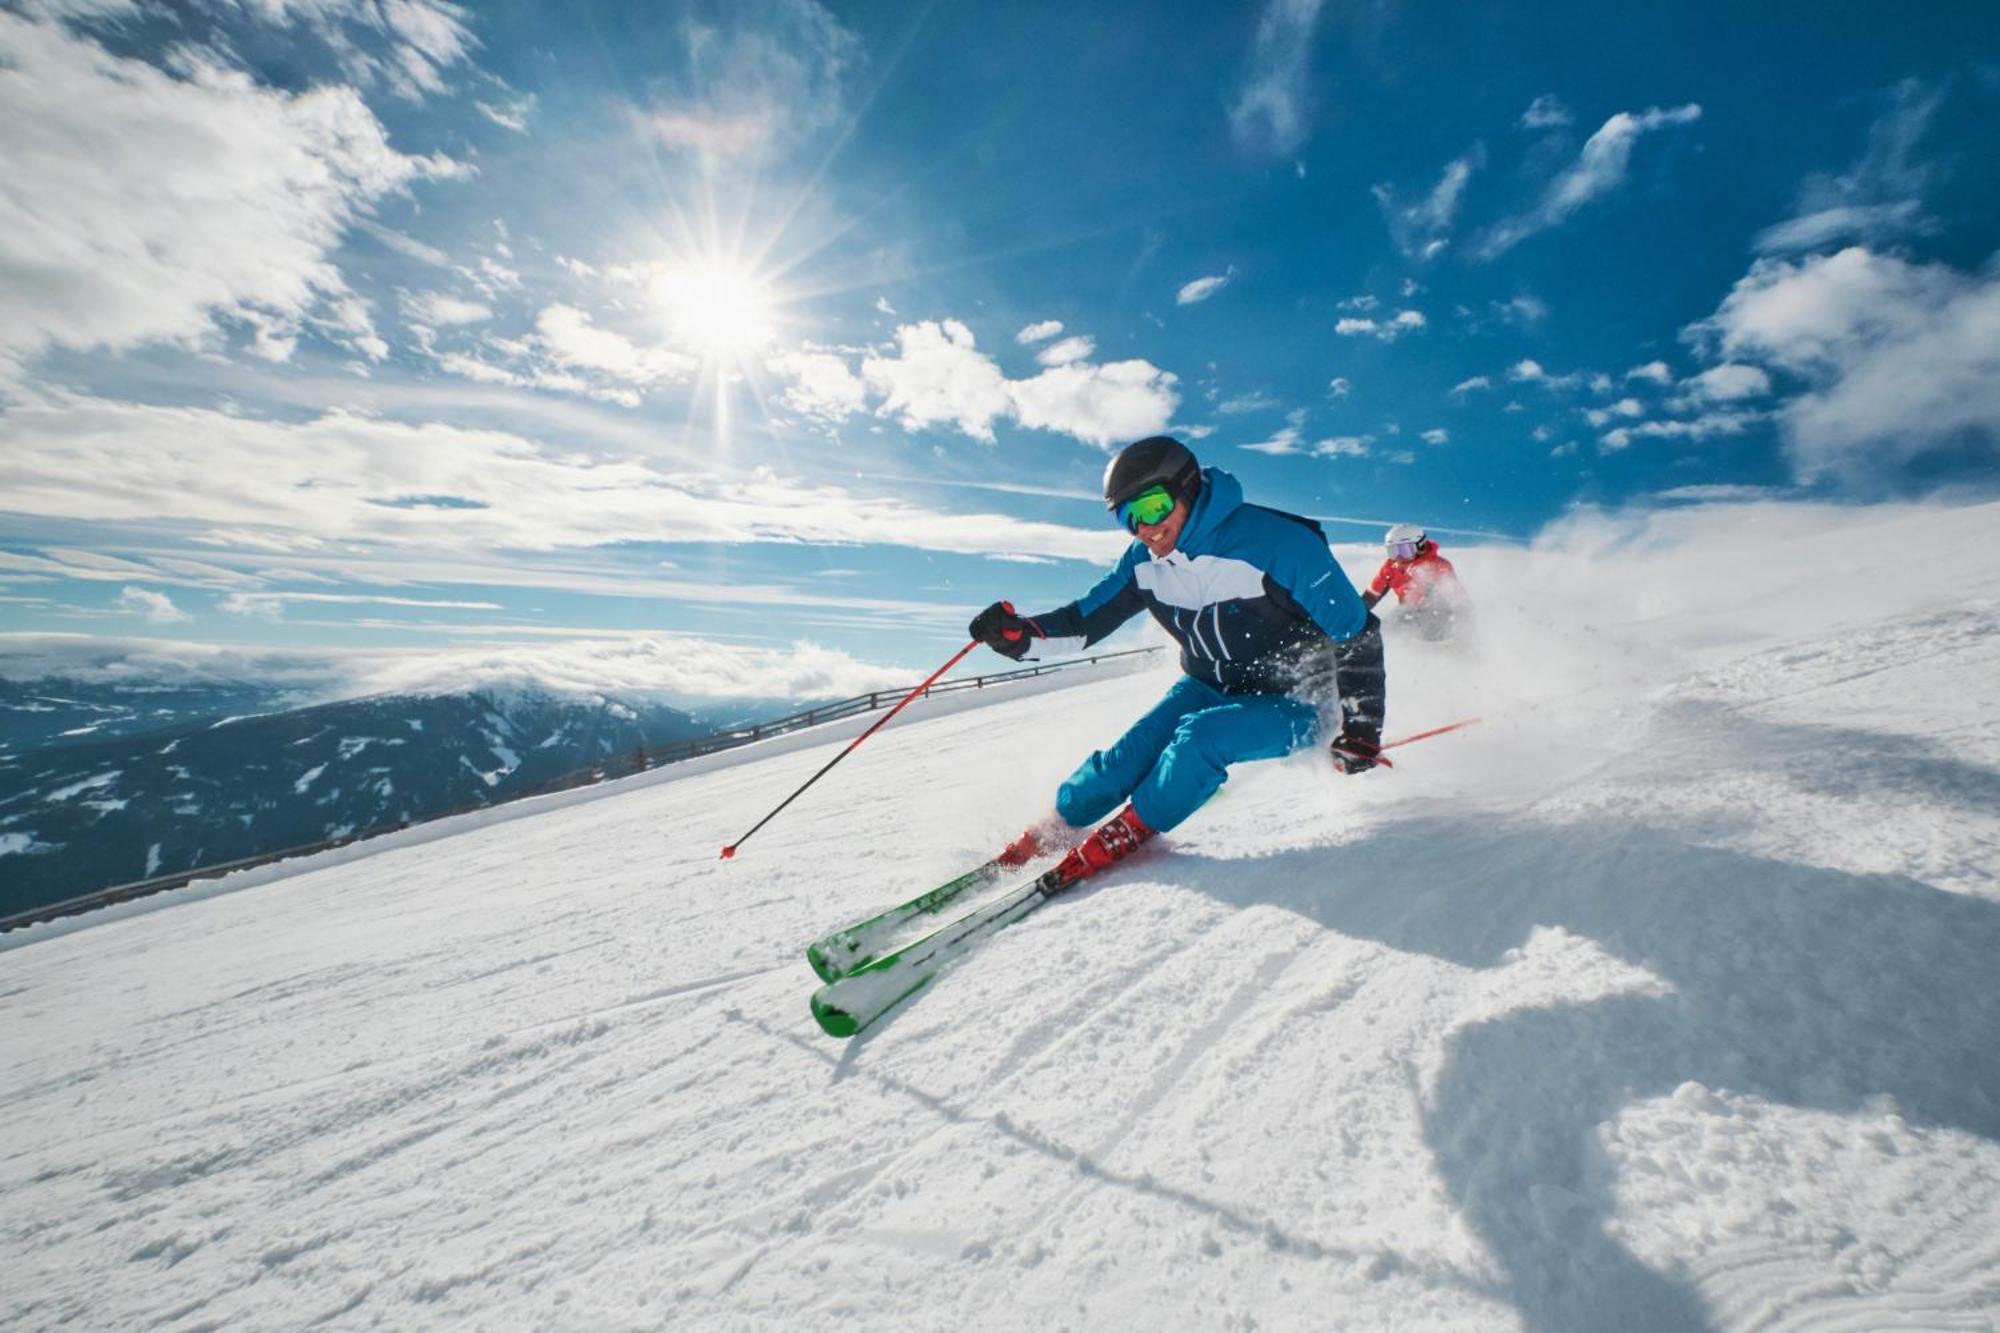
1427 589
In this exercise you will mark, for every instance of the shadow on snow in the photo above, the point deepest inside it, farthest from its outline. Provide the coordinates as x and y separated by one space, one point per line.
1811 987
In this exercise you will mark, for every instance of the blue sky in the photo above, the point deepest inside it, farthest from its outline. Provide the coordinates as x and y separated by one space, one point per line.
755 345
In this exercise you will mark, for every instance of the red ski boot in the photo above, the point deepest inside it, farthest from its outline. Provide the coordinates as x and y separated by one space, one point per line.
1116 839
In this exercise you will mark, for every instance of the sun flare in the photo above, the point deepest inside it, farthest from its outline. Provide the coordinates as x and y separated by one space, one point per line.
719 310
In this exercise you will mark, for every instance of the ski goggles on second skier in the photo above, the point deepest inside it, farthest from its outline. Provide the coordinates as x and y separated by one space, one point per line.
1403 551
1148 507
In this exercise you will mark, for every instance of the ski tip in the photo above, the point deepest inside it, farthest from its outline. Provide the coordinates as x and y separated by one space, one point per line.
835 1022
729 852
822 966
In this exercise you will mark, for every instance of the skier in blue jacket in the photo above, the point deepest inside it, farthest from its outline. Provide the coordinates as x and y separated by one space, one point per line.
1271 634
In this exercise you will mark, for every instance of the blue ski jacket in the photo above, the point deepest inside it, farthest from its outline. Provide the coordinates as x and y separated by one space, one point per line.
1250 594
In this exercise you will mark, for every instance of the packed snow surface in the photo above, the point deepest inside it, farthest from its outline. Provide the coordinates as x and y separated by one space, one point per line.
1667 998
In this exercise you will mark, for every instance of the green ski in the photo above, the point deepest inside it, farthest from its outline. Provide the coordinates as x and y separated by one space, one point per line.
852 948
847 1004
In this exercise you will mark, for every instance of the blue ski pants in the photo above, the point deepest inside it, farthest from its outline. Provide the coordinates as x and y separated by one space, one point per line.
1177 755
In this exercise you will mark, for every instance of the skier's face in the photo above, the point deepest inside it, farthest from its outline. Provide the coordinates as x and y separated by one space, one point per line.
1160 537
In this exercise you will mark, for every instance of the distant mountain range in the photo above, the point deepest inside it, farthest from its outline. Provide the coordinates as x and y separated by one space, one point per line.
105 783
71 712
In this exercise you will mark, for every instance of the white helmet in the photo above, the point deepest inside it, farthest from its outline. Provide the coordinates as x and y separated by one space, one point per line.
1403 541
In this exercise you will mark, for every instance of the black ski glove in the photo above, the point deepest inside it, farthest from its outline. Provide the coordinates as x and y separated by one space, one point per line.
1355 753
1004 632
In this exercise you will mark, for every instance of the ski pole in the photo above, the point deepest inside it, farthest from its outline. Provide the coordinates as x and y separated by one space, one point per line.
1434 731
880 722
1420 736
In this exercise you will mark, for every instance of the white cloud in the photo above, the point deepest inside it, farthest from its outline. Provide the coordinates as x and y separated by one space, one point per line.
1546 112
1727 383
423 38
344 479
1422 229
1902 359
1259 400
1524 310
1102 405
939 376
1629 408
570 353
822 386
415 249
1035 333
513 116
1339 387
1699 428
1344 446
439 308
1284 442
241 602
1530 371
1719 494
666 668
1384 330
759 78
73 564
1203 288
252 605
140 206
1598 170
154 606
1656 371
1076 348
1473 385
1878 197
1437 436
1271 111
1363 303
574 342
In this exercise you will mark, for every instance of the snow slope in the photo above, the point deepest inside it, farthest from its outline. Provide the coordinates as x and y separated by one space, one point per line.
1664 1000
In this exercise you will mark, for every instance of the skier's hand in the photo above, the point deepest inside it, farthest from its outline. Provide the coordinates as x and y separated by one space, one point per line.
1006 633
1355 754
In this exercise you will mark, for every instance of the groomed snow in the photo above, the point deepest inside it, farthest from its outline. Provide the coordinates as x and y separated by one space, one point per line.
1666 999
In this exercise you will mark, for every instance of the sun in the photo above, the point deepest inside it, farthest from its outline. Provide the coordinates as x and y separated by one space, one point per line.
721 311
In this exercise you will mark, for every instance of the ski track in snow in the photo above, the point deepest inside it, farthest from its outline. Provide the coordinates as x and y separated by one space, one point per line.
1663 1000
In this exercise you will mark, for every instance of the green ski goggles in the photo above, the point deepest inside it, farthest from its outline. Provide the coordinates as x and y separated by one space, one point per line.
1148 507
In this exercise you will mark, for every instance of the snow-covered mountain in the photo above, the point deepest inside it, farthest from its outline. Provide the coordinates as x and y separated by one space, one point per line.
1663 999
64 711
85 813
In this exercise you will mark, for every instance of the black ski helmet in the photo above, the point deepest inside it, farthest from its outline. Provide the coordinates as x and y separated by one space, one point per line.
1157 460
